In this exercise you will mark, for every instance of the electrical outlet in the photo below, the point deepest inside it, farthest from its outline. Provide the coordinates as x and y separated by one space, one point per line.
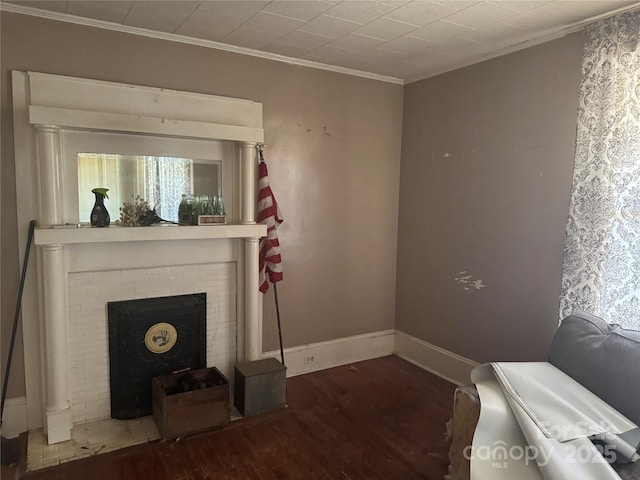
309 358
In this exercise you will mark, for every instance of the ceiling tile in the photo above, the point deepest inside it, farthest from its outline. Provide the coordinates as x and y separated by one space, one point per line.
498 33
592 7
273 23
211 26
356 43
541 18
360 11
329 26
406 45
163 16
385 29
303 40
480 15
245 8
440 31
108 11
327 53
459 4
461 47
378 56
394 3
519 5
250 38
357 63
300 9
430 57
421 13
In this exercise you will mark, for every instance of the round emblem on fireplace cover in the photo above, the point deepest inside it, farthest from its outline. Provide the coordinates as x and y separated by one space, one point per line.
161 337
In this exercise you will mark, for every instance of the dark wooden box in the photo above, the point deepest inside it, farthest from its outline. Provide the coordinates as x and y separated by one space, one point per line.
181 414
260 386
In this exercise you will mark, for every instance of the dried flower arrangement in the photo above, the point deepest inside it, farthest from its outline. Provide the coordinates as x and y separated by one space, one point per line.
138 213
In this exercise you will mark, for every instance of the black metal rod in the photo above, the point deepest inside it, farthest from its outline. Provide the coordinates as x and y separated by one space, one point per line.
32 226
275 293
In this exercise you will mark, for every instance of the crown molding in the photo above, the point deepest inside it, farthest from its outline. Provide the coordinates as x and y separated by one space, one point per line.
172 37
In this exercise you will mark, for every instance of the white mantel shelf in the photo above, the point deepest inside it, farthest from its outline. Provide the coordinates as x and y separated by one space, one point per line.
114 233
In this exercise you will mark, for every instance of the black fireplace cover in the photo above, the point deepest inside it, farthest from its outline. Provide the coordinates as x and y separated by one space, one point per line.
151 337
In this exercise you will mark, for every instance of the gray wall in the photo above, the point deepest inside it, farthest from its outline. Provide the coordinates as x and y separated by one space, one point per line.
487 157
333 147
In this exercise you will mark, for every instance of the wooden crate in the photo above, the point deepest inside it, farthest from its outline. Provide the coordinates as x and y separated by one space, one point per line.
178 414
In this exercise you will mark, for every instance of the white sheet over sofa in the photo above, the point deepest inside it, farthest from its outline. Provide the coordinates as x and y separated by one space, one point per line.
535 423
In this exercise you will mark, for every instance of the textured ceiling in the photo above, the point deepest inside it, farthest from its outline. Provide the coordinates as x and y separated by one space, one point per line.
402 39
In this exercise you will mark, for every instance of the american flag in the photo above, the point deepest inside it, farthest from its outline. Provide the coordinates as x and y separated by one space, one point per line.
269 214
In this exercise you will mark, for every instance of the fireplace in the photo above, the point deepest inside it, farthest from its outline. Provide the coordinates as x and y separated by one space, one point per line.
148 338
63 308
79 270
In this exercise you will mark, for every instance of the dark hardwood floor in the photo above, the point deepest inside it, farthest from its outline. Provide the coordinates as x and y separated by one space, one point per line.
378 419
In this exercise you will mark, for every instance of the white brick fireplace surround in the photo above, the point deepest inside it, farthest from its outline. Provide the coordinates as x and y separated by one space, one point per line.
76 271
89 292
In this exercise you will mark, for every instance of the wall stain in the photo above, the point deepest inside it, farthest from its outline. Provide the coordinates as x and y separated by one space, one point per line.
316 132
467 281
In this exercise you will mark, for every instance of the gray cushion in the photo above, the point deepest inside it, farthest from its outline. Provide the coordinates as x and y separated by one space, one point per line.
604 358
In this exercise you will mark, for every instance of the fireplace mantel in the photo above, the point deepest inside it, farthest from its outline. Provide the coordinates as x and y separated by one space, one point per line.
114 233
46 107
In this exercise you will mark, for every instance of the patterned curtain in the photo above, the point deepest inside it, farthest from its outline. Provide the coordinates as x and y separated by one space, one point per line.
601 271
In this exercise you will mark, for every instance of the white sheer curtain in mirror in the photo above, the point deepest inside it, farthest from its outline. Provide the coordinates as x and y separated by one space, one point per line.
166 179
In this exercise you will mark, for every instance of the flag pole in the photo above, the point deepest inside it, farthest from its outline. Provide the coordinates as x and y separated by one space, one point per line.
260 148
275 294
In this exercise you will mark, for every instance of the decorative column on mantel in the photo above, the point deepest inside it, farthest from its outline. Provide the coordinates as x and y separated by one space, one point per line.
249 182
58 396
56 335
248 195
50 170
253 332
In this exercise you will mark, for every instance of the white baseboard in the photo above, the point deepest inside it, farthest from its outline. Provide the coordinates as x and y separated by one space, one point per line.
333 353
441 362
14 420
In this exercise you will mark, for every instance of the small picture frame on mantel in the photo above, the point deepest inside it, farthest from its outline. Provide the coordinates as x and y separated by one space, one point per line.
212 219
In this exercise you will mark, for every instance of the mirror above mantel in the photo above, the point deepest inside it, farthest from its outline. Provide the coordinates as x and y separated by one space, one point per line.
161 181
157 169
51 112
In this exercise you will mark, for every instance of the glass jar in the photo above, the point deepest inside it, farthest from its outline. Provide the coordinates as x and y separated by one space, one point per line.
185 210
